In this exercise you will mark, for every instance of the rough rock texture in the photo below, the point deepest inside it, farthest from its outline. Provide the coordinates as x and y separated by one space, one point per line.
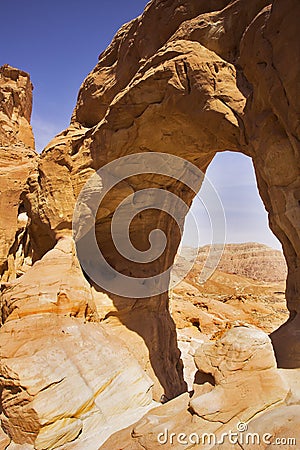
202 310
245 383
188 78
15 107
213 78
17 162
174 415
55 284
246 378
64 381
59 375
252 260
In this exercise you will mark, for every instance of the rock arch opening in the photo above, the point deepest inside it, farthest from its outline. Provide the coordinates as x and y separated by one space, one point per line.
201 88
248 285
232 174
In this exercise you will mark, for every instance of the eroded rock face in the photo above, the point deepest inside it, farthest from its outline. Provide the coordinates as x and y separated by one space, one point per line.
48 395
210 78
251 260
241 362
273 109
16 165
17 161
15 107
55 284
62 382
245 383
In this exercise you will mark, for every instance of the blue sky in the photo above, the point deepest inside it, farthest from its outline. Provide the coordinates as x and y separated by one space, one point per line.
233 178
58 43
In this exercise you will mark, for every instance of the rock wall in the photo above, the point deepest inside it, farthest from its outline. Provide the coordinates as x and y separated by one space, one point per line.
60 374
272 130
17 161
188 79
251 260
15 107
214 78
244 384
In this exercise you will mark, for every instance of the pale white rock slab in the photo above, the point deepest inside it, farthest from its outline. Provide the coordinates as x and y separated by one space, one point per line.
62 377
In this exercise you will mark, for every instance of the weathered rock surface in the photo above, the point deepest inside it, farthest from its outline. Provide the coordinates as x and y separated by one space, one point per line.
188 79
173 415
17 161
15 107
273 109
248 285
61 378
245 373
16 164
245 383
212 79
252 260
55 284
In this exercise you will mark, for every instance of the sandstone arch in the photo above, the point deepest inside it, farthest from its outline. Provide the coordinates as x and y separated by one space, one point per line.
211 79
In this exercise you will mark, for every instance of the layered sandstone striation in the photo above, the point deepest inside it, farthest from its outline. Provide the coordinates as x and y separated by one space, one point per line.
200 85
62 381
17 161
248 285
188 79
251 260
55 284
59 374
244 382
15 107
205 310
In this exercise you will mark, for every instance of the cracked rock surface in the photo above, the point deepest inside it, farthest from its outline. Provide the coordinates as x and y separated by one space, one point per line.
186 78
